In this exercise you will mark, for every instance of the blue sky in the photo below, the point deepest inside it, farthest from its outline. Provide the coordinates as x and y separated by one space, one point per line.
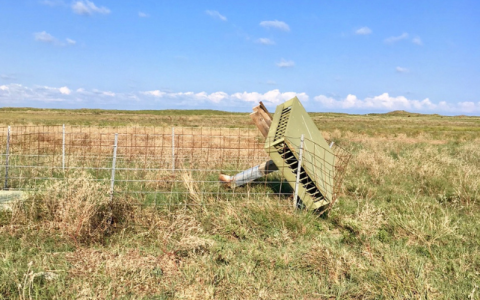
336 56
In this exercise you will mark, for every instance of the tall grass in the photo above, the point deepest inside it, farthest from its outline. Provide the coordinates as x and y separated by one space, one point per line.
405 227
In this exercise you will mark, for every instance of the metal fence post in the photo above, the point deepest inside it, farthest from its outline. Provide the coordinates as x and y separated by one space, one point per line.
63 148
299 167
112 184
173 149
6 158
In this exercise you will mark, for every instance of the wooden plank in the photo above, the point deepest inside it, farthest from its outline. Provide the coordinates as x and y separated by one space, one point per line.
265 109
265 114
260 122
261 118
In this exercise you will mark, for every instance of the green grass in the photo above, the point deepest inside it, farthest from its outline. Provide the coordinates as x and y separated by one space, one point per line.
405 227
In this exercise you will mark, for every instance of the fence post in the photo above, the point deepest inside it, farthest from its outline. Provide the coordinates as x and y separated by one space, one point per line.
6 159
299 167
112 183
63 148
173 149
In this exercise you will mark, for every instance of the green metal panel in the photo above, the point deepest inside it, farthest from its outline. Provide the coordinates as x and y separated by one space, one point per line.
318 161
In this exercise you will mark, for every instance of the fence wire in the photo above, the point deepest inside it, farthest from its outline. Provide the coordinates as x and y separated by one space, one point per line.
146 165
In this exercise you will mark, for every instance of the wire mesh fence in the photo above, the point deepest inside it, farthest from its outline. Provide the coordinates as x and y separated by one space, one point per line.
146 165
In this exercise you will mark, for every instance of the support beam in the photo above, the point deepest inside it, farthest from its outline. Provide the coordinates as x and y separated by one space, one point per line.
261 118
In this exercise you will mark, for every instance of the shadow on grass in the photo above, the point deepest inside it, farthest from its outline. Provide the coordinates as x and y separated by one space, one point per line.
279 187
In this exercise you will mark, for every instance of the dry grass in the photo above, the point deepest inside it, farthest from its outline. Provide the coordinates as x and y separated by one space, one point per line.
79 208
130 273
405 227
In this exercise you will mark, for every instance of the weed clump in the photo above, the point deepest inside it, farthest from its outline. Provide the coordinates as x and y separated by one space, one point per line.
78 207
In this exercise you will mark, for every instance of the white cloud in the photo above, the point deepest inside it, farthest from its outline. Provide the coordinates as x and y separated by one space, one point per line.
468 106
17 93
216 97
103 93
44 37
88 8
65 90
41 96
394 39
83 92
155 93
265 41
71 42
417 41
143 15
285 63
363 31
401 70
270 97
381 102
216 14
275 24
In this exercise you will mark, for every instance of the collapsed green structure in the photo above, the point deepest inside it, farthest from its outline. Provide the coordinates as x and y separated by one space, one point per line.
300 153
317 169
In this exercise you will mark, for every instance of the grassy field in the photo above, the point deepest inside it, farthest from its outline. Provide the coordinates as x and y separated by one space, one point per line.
405 225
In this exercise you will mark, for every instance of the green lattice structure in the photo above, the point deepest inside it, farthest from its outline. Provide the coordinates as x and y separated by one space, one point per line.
317 173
